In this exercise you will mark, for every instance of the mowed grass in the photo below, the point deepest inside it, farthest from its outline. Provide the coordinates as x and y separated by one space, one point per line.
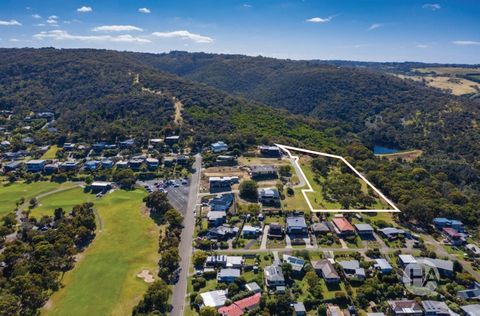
65 199
104 280
11 193
51 152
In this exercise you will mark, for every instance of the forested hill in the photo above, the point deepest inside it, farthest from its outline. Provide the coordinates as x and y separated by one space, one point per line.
379 107
106 95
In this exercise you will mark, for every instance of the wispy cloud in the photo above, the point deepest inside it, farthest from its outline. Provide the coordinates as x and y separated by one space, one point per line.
184 35
319 20
466 42
422 46
247 6
52 20
10 23
60 35
36 16
375 26
144 10
431 6
116 28
84 9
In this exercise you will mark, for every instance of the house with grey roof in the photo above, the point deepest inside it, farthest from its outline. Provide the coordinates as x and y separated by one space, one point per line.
383 266
253 287
296 263
471 310
444 267
352 269
392 233
299 309
326 270
228 275
296 225
436 308
364 230
405 308
470 294
274 276
263 172
269 197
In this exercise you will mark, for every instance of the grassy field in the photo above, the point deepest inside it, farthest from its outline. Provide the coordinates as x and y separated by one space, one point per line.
104 281
11 193
448 70
445 81
51 152
65 199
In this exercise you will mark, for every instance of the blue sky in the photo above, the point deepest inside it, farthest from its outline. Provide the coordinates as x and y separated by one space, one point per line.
383 30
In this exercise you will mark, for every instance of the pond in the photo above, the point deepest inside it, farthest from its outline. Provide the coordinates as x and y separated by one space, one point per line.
380 150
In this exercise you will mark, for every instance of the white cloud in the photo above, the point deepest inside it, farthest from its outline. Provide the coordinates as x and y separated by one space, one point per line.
84 9
422 46
248 6
319 20
10 23
116 28
144 10
53 17
60 35
14 40
39 24
466 42
431 6
184 35
36 16
375 26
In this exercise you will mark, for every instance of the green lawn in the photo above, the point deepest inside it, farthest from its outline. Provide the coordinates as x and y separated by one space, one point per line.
295 202
51 152
104 281
11 193
64 199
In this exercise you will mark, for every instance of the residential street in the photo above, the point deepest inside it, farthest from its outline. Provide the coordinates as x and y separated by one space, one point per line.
185 248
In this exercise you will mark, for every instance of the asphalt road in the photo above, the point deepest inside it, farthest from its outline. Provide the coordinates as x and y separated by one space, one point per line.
185 248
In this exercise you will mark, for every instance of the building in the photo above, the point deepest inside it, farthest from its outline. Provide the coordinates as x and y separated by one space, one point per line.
251 231
299 309
322 228
383 266
221 203
121 164
296 263
326 270
129 143
242 306
221 232
391 233
441 222
253 287
219 147
471 310
352 269
235 262
152 163
225 160
172 140
296 225
270 151
444 267
273 276
473 250
263 172
405 307
69 165
435 308
12 166
91 165
228 275
453 236
269 197
405 260
275 230
50 168
216 261
220 183
135 164
216 218
68 146
230 310
107 164
98 147
470 294
334 310
364 230
342 226
100 186
36 165
214 299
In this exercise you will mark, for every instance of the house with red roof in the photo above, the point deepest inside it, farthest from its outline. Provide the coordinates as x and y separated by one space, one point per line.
239 307
453 236
342 226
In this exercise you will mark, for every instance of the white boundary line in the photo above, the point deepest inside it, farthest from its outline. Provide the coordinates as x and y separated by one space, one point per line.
310 189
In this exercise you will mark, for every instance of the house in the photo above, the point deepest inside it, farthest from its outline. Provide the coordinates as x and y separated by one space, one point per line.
364 230
235 262
100 186
470 294
216 261
473 250
297 226
405 307
376 314
230 310
135 164
152 163
154 142
219 147
444 267
225 160
221 232
50 168
263 172
269 197
12 166
214 298
220 183
270 151
334 310
98 147
322 228
275 230
441 222
182 160
107 164
129 143
296 263
228 275
253 287
471 310
383 266
222 202
172 140
121 164
352 269
28 140
239 307
342 226
69 165
405 260
326 270
391 233
299 309
91 165
216 218
35 165
251 231
273 276
435 308
453 236
68 146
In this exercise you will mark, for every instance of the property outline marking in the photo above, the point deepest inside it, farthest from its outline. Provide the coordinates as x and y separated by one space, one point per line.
295 159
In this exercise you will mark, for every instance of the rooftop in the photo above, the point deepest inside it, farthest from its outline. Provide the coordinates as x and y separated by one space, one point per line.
214 298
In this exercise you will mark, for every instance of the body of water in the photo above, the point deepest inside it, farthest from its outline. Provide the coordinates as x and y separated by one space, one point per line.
380 150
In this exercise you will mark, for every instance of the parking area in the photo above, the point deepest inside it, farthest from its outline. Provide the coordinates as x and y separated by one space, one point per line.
177 191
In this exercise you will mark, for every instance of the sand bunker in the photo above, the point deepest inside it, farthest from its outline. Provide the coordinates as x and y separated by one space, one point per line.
146 276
